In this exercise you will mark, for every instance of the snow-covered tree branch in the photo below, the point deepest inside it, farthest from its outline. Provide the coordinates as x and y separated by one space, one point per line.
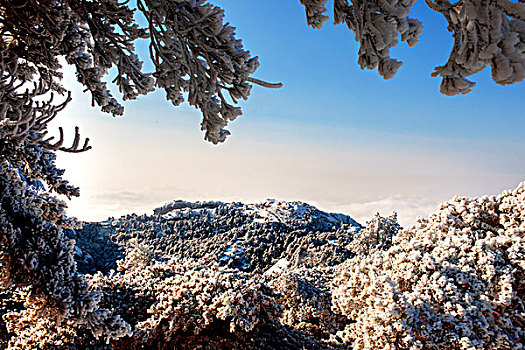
486 33
197 57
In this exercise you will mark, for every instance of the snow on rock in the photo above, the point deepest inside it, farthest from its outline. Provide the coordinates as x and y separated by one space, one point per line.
269 211
180 204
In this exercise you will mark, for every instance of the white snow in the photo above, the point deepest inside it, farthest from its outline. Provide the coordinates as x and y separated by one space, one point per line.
278 267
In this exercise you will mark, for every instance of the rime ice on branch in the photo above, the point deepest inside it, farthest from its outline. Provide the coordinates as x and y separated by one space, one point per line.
376 25
452 281
486 33
195 52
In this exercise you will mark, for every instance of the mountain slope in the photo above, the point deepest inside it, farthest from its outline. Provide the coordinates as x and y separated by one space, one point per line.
248 237
284 275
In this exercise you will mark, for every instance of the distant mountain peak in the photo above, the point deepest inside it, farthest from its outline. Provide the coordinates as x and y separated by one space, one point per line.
271 210
248 237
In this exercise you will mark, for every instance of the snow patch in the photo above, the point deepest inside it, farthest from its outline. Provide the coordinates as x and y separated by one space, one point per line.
278 268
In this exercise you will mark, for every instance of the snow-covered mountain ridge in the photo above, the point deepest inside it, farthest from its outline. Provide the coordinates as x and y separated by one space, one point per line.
284 275
249 237
269 211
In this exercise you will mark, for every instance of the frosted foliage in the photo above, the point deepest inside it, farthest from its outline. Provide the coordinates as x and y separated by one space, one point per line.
486 33
196 299
192 49
25 111
34 332
452 281
315 10
44 261
307 304
30 330
377 26
377 235
187 297
196 52
38 259
34 252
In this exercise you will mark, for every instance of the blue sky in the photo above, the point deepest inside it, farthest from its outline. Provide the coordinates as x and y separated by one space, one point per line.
336 136
321 66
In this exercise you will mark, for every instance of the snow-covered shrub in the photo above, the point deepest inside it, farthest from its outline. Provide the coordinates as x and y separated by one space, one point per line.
377 235
35 251
182 298
35 332
452 281
29 330
306 300
196 299
248 237
37 258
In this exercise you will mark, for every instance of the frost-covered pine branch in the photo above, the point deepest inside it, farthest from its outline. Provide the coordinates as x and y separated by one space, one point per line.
486 33
93 37
192 49
377 26
195 52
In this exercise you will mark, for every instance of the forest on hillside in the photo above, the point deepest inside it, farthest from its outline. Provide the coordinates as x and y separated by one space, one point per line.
285 275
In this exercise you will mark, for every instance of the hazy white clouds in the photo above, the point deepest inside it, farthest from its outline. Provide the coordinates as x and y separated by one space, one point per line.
128 175
407 209
156 153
